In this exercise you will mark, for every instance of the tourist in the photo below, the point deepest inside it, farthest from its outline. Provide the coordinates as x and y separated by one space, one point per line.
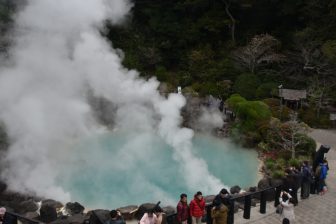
322 177
2 214
286 201
116 218
197 208
223 198
319 156
182 210
149 218
306 180
291 184
219 214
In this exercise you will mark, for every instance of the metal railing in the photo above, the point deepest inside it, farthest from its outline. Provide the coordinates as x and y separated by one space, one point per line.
12 218
247 198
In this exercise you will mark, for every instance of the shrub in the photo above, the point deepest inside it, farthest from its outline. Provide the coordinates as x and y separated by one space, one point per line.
266 90
294 162
246 85
307 145
278 174
270 165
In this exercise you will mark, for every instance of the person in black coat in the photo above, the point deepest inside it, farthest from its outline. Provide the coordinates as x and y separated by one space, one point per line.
319 156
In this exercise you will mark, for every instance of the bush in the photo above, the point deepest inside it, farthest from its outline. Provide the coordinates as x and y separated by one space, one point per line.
246 85
307 145
278 174
270 164
294 162
281 162
266 90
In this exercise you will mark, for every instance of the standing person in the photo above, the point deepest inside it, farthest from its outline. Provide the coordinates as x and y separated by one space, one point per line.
149 218
323 176
306 180
224 198
286 201
182 210
319 156
197 208
219 214
2 214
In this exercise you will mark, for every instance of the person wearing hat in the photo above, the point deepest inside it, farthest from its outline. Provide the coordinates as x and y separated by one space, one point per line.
2 214
197 208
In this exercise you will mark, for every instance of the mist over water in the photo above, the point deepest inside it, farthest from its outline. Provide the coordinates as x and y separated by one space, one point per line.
111 171
57 59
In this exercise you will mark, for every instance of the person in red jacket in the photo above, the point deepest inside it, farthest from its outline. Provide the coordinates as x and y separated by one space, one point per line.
183 210
197 208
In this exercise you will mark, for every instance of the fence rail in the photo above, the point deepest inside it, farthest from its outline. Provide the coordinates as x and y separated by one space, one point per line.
247 198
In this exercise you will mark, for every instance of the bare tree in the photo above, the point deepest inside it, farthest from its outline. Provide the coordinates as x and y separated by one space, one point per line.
260 51
227 4
287 136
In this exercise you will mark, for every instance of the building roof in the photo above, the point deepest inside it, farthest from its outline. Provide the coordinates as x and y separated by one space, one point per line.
292 94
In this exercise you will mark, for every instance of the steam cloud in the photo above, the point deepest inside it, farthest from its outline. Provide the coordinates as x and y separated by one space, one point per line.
58 56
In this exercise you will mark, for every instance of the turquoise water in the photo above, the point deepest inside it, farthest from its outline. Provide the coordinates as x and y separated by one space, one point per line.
116 169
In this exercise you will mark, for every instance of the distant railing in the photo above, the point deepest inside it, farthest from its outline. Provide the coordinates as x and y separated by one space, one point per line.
247 198
12 218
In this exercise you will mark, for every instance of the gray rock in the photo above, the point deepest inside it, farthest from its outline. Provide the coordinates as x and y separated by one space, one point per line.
32 215
143 209
48 213
52 203
101 214
235 189
209 199
128 211
264 183
77 219
169 210
27 206
74 208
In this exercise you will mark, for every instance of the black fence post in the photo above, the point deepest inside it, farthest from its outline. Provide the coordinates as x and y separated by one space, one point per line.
231 212
277 195
247 207
262 202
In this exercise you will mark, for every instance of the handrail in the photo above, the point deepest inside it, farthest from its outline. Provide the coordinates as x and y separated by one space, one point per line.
247 204
29 220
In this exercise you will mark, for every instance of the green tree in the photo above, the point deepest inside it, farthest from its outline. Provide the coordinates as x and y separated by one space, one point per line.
246 85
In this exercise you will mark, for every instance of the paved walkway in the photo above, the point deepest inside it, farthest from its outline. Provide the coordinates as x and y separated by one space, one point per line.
315 210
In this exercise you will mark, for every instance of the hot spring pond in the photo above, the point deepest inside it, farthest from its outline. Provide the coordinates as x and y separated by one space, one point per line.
115 169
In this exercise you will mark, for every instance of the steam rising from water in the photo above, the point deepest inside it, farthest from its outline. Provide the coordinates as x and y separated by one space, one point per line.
57 58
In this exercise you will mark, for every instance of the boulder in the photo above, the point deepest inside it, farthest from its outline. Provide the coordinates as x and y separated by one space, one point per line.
48 213
3 186
27 206
276 182
76 219
128 211
143 209
32 215
74 208
99 215
169 210
264 183
235 189
52 203
209 199
252 189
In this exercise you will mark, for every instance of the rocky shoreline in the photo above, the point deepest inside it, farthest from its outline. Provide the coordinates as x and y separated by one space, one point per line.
52 211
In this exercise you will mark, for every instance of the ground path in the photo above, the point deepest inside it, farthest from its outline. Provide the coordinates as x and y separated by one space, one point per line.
315 210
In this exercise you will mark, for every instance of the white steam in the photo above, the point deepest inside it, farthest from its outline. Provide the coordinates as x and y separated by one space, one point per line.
58 57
